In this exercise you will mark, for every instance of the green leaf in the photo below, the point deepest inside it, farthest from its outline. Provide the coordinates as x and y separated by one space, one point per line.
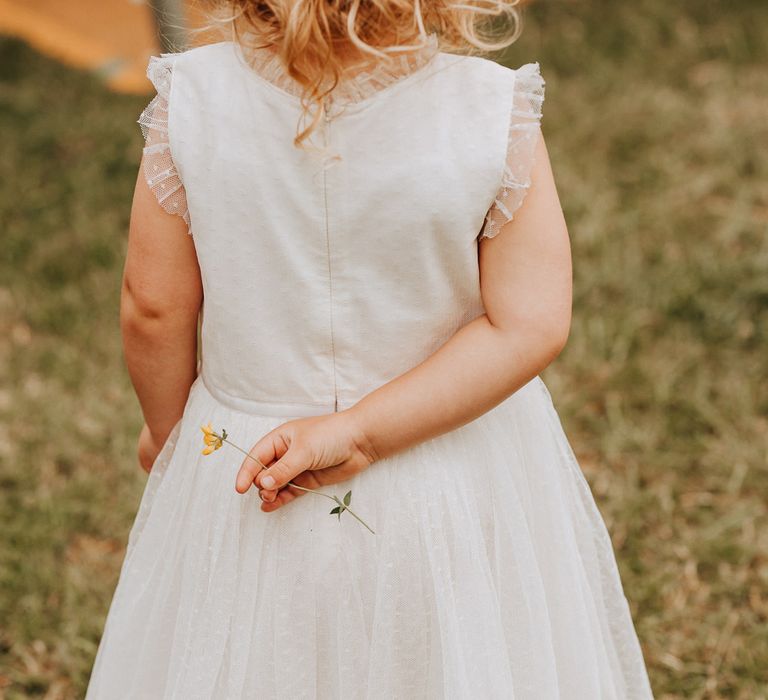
347 498
335 510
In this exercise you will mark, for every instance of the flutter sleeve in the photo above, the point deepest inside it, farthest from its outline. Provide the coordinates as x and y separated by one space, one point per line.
524 131
159 169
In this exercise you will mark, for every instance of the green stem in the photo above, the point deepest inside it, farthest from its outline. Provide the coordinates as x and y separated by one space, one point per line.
237 447
335 499
352 512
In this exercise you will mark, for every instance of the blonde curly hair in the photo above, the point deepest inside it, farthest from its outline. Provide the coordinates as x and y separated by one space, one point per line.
315 38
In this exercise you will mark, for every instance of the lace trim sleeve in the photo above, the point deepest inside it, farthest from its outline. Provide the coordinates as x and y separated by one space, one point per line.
159 169
524 130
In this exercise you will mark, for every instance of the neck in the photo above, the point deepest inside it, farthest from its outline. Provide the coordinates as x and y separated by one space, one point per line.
352 56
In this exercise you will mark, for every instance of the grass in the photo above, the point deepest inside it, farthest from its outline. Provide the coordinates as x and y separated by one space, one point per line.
655 122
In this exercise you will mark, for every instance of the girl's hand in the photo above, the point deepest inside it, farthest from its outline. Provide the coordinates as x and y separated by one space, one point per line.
312 452
148 449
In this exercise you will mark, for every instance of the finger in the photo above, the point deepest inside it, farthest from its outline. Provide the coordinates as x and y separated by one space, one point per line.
284 495
309 479
247 473
267 496
279 497
145 463
265 451
291 464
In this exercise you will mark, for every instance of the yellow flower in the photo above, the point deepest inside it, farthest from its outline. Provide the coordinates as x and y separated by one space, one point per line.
211 438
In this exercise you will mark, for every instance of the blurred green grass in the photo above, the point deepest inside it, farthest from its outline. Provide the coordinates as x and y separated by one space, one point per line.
655 121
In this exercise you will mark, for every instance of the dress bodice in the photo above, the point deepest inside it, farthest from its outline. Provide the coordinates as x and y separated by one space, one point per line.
327 273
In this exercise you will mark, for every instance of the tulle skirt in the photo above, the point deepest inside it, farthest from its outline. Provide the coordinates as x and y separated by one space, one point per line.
490 575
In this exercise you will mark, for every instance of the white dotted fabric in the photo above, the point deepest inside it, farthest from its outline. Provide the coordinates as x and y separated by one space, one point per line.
159 169
524 131
491 575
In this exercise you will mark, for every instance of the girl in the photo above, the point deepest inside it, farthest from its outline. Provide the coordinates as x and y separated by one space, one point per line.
338 188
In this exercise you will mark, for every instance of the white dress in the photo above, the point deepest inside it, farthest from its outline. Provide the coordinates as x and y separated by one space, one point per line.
326 274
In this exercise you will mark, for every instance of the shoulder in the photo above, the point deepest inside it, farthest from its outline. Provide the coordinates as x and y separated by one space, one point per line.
479 74
198 60
526 74
207 53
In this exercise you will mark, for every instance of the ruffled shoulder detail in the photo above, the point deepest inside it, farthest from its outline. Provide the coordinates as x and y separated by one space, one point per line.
160 70
524 130
159 169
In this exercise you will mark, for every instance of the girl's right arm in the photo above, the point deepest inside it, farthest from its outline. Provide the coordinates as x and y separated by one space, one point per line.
160 302
525 280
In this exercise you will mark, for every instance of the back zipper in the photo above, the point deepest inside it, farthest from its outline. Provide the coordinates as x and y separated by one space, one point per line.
326 103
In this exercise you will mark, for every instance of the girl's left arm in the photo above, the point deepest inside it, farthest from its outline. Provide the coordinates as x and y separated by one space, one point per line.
160 303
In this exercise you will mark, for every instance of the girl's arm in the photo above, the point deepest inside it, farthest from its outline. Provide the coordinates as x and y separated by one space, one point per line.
159 305
525 277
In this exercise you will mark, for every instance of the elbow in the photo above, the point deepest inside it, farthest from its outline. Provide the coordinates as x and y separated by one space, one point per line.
139 308
559 330
143 313
546 346
138 321
540 339
556 343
